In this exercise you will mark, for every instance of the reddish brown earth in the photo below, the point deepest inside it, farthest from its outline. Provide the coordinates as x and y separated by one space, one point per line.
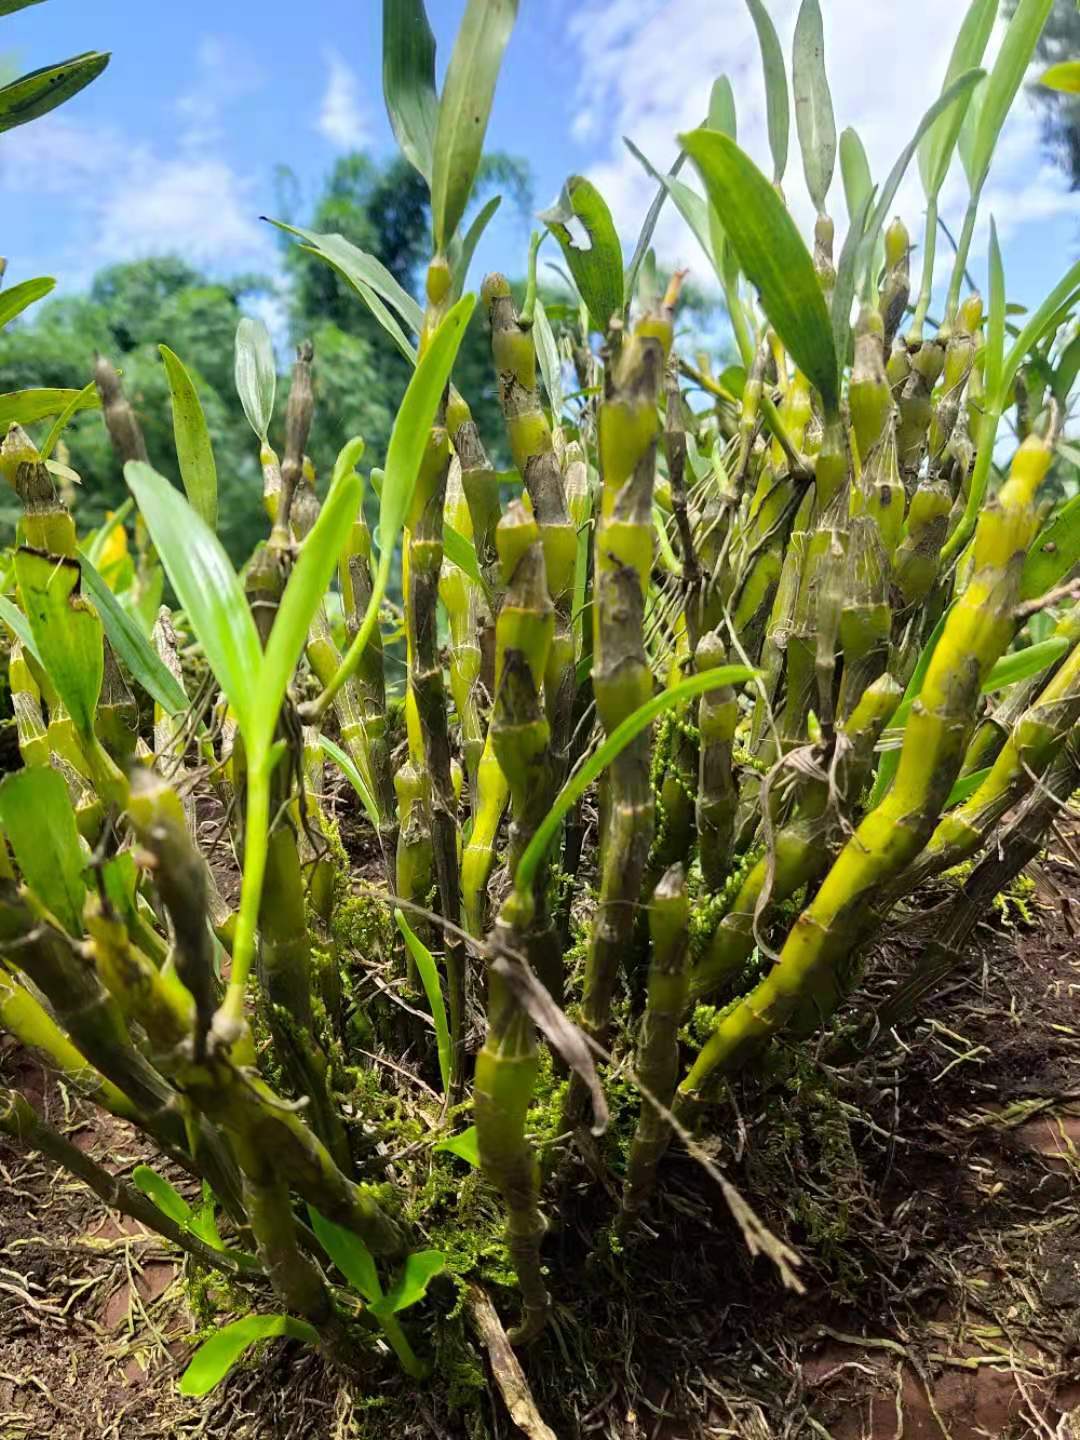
931 1191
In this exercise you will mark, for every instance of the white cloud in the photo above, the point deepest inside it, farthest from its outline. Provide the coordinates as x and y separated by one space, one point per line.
341 118
125 199
645 71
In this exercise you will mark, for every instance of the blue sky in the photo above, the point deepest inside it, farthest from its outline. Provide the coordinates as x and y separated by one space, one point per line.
175 147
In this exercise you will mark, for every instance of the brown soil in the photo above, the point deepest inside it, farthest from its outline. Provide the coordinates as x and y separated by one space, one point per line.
930 1190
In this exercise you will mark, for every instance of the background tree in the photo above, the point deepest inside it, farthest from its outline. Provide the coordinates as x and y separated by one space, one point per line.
1060 40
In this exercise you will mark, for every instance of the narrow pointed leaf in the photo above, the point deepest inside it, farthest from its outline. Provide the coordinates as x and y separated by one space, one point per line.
27 407
382 312
408 73
14 301
465 1146
164 1195
1005 80
777 108
84 399
132 648
1064 77
464 251
34 95
994 358
464 110
349 1254
8 7
847 278
602 757
969 126
963 85
938 144
414 419
193 448
1055 553
352 774
813 103
361 269
648 227
19 626
36 813
207 587
547 353
772 256
581 222
1039 325
67 631
722 115
256 374
214 1359
693 209
428 971
854 171
420 1268
307 584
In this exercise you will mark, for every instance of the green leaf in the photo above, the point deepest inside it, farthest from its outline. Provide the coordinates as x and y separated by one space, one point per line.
420 1268
14 301
349 1254
464 250
361 270
772 256
547 353
464 110
256 374
1004 81
85 399
963 85
193 448
214 1358
36 813
847 269
19 626
8 7
813 104
602 757
352 774
693 209
132 648
165 1196
307 584
429 978
596 261
1064 77
854 171
649 226
965 143
465 1146
34 95
408 439
938 143
408 74
776 87
965 786
207 587
722 115
461 552
27 407
994 356
1055 553
1039 325
1067 369
1024 664
67 631
203 1221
